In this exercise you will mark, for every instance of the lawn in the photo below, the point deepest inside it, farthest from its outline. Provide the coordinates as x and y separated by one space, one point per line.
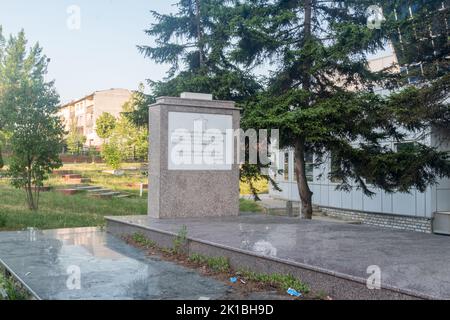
81 210
61 211
128 182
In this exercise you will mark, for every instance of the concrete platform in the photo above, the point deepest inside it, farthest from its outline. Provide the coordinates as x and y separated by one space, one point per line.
333 257
110 269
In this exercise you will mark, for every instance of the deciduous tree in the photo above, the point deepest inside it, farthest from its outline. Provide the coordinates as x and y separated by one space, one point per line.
28 105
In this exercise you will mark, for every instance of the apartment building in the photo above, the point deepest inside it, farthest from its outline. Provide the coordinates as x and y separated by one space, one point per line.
83 113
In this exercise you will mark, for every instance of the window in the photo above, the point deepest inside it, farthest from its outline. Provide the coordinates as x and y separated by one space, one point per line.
405 146
309 164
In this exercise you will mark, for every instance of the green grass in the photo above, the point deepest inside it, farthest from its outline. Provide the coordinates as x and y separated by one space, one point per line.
141 240
180 241
61 211
249 206
126 183
9 290
282 281
216 264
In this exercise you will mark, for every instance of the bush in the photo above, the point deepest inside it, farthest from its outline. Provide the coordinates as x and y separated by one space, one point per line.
112 155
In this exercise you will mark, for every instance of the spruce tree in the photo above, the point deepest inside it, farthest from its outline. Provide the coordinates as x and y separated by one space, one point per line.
195 42
321 95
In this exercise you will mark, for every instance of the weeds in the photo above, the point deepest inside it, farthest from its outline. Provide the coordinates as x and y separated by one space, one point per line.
9 289
180 241
216 264
276 280
141 240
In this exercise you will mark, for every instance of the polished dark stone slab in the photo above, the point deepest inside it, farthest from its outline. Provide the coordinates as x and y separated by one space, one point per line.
411 262
110 269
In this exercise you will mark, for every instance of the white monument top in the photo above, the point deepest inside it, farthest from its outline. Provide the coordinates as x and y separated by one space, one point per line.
196 96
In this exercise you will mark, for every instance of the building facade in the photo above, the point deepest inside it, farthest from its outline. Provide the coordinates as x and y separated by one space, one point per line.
83 113
413 211
427 211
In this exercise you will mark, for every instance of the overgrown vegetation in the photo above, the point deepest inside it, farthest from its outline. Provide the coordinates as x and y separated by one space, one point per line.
180 241
216 264
61 211
10 290
144 242
282 281
249 206
220 266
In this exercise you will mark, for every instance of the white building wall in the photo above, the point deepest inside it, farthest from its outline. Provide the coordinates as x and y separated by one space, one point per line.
415 203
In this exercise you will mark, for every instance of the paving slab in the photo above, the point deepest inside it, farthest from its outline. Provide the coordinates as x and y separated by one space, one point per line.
110 269
414 263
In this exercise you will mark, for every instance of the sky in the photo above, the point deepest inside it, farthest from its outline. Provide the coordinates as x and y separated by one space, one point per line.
99 55
95 52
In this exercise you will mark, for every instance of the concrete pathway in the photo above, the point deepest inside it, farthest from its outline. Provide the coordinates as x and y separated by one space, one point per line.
412 262
47 263
278 207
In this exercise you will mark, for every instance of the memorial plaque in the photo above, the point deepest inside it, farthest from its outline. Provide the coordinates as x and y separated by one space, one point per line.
199 141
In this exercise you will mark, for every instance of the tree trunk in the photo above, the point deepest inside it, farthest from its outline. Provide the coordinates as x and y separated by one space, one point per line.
302 181
307 63
30 197
1 158
29 190
199 33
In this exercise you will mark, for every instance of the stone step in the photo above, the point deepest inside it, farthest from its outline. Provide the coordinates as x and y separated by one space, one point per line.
72 176
99 190
78 180
122 196
88 188
62 172
105 195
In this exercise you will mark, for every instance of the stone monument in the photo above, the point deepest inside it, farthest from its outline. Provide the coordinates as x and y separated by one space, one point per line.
192 167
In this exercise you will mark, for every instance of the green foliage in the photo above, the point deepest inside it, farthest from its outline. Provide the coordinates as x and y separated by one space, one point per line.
195 42
105 125
57 210
281 281
112 155
9 289
28 105
2 220
136 110
180 241
131 140
126 141
249 206
143 241
75 140
216 264
321 94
